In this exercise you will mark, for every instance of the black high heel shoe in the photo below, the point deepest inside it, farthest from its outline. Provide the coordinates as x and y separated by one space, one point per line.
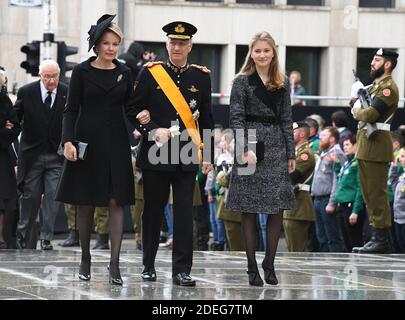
254 278
84 275
269 274
117 280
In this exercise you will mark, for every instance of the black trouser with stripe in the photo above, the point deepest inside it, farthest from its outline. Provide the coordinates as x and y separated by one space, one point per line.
156 194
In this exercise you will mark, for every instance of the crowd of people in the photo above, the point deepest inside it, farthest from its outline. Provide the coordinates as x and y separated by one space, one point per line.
328 189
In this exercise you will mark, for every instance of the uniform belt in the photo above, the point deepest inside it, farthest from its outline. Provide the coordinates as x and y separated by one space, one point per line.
303 187
381 126
261 119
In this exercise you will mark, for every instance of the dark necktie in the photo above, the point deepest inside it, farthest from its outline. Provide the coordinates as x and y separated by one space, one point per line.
48 101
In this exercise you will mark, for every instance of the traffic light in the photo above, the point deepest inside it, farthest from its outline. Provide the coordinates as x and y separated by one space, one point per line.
63 52
32 50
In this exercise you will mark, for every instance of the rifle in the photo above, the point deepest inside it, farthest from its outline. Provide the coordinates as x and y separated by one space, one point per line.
365 100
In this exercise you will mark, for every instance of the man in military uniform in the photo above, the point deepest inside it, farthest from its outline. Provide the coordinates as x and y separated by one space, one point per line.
178 97
374 147
296 222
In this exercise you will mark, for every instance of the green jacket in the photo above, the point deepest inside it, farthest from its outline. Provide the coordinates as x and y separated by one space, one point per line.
385 97
305 165
348 184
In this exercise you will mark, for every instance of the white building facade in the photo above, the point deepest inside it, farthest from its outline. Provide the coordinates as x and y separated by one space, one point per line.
325 39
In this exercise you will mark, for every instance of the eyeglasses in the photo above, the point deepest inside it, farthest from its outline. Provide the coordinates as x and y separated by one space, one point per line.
48 77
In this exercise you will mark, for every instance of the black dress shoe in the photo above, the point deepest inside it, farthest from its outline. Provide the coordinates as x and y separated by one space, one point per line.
46 245
183 279
254 278
148 275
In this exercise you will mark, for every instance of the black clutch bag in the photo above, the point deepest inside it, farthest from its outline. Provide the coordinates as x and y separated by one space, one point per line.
81 149
259 146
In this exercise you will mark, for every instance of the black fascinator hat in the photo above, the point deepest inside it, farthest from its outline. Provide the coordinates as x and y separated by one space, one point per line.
96 31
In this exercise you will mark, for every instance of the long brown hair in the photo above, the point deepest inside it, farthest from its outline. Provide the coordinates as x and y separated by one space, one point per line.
276 76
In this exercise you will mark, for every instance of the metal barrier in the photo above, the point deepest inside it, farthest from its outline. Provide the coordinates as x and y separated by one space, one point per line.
306 98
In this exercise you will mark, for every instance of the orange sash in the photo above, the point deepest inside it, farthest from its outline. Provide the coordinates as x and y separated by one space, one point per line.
175 97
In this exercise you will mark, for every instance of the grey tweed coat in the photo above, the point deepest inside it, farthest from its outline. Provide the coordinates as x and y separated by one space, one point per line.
267 190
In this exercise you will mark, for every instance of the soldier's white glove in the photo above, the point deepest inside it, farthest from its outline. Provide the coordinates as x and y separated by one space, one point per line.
354 93
356 106
161 139
175 130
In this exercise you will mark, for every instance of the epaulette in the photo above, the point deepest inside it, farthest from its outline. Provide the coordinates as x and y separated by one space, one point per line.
202 68
152 63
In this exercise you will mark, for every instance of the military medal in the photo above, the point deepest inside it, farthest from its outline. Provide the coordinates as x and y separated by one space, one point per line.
196 115
193 89
193 104
386 92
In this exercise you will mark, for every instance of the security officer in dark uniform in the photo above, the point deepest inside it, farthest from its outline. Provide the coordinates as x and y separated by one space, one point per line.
374 147
297 222
178 97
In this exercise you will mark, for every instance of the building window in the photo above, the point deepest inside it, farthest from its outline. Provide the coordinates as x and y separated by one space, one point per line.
305 2
255 1
205 0
306 61
364 57
209 56
377 3
241 52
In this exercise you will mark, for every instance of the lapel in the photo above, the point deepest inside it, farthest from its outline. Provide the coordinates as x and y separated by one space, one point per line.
270 99
91 76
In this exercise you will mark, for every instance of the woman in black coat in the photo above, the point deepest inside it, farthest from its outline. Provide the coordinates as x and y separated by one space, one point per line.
9 131
260 109
100 90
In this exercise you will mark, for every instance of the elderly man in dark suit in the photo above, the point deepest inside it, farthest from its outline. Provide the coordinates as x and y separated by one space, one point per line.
39 108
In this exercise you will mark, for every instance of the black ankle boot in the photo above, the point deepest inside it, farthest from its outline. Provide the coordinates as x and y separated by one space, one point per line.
269 274
254 277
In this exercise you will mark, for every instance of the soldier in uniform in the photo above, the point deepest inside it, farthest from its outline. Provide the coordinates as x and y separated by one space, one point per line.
178 96
374 149
297 222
